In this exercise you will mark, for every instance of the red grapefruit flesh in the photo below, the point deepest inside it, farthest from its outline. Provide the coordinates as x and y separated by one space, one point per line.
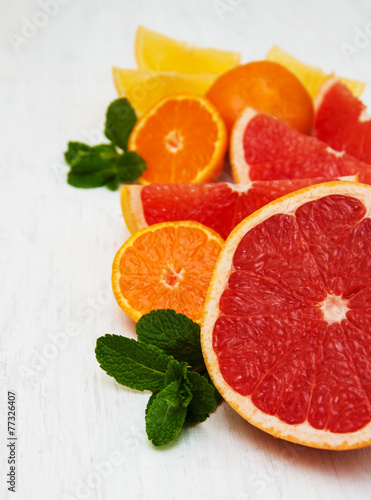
220 205
264 148
342 121
286 328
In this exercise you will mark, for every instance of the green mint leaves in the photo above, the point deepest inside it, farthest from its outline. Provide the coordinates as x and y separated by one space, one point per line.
105 164
162 361
120 120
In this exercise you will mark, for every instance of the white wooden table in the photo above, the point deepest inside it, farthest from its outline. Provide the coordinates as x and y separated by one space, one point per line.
81 435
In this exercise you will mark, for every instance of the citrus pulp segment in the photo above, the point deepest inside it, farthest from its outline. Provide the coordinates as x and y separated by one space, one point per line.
286 327
264 148
165 266
311 77
182 139
265 86
342 121
158 52
219 205
146 88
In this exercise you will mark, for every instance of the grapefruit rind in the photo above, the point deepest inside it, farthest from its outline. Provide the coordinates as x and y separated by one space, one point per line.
300 433
211 171
317 101
116 273
132 208
239 166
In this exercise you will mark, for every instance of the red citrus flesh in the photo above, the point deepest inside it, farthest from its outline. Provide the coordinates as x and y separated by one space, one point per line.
220 206
264 148
294 332
341 121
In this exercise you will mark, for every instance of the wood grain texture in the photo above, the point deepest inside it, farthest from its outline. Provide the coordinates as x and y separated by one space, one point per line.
81 436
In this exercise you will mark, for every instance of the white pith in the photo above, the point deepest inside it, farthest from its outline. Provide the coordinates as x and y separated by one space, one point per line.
240 169
174 141
364 116
334 308
317 101
338 154
301 433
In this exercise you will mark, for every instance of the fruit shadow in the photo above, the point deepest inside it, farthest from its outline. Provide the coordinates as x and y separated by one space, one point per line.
324 462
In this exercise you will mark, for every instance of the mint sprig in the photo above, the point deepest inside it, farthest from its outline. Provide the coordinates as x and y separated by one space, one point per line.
183 393
107 164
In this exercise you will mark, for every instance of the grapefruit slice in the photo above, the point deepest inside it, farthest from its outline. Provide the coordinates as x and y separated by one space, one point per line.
165 266
264 148
342 120
219 205
286 327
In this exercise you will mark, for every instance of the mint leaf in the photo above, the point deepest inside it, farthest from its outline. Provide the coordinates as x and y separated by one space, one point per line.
150 401
204 399
120 120
174 333
131 363
130 166
91 171
102 166
74 150
175 372
165 415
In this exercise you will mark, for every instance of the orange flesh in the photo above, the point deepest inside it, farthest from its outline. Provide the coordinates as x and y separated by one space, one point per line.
170 268
177 142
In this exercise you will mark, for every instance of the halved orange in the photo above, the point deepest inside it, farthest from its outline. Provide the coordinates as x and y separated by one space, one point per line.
286 327
166 266
182 139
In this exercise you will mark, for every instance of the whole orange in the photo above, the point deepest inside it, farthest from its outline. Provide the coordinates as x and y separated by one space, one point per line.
265 86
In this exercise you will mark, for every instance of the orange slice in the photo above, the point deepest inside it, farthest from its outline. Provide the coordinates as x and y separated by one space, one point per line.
286 328
165 266
146 88
182 139
160 53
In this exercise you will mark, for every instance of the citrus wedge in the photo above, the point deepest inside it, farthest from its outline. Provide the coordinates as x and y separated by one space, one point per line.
311 77
157 52
286 326
146 88
182 139
165 266
342 120
219 205
264 148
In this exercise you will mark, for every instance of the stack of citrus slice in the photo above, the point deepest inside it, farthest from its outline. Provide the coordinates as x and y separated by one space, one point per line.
286 327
